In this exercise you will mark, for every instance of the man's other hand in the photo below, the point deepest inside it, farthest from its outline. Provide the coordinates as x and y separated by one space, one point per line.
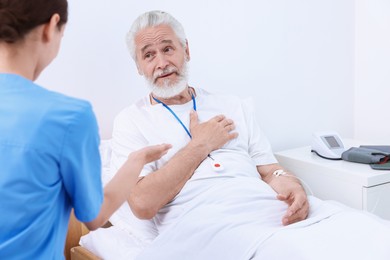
293 194
213 133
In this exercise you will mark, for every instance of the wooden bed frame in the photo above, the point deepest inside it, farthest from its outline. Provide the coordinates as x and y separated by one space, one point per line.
73 251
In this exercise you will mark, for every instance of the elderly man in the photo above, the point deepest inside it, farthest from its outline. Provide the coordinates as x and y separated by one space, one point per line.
219 193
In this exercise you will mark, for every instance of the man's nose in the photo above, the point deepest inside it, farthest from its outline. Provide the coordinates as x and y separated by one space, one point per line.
162 61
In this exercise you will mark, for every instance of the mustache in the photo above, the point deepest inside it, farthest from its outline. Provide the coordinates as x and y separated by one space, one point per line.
164 72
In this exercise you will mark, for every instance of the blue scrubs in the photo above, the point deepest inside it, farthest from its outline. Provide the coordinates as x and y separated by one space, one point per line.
49 163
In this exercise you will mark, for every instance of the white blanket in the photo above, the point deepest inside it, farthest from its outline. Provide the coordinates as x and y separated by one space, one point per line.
346 235
234 219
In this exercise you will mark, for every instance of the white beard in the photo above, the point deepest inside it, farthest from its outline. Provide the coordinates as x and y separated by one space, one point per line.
168 90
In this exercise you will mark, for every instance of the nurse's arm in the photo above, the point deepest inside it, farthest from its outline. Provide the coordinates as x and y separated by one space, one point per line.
117 191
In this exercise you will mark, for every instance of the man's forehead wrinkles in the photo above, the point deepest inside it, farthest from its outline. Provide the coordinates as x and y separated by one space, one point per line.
154 35
155 42
150 36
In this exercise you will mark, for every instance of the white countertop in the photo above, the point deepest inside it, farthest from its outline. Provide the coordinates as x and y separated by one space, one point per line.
350 171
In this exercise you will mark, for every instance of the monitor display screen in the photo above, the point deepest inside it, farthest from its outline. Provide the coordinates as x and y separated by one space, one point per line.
332 141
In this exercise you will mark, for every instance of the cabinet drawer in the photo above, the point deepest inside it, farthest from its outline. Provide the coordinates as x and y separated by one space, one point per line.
376 199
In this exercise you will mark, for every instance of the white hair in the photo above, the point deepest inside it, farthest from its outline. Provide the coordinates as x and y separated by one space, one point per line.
151 19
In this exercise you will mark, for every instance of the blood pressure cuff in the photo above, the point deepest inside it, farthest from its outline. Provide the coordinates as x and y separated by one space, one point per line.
365 155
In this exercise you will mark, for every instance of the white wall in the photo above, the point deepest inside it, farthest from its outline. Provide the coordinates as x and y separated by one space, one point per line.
295 58
373 71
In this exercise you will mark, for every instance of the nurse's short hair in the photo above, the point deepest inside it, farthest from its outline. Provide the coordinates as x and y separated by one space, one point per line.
151 19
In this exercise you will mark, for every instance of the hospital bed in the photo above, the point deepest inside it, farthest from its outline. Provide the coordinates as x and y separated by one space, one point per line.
76 229
121 241
109 237
72 248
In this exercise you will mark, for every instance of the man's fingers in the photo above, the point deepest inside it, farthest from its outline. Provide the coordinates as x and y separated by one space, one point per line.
233 135
295 206
294 217
282 197
297 210
229 127
219 118
228 122
295 213
193 118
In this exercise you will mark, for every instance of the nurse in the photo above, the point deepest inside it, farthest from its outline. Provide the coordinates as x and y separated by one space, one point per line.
49 157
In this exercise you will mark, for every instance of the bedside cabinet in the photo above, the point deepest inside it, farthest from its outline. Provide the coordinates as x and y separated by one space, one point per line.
353 184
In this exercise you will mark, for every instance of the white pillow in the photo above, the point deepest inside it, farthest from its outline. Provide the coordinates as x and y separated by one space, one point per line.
143 230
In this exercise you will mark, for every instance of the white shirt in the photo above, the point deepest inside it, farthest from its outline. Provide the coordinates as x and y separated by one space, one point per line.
143 124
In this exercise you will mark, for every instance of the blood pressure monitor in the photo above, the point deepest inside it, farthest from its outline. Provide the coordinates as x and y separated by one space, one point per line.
327 145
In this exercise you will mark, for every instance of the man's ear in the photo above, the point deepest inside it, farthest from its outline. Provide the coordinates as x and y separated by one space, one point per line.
139 69
50 28
188 57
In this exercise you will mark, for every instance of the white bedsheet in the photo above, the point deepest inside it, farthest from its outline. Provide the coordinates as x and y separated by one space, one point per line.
346 235
236 220
113 243
233 219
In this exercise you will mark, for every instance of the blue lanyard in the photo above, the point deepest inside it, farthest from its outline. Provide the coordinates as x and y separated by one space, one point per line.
174 114
178 119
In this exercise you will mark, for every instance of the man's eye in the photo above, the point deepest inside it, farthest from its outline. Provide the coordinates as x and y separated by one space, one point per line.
147 55
168 49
